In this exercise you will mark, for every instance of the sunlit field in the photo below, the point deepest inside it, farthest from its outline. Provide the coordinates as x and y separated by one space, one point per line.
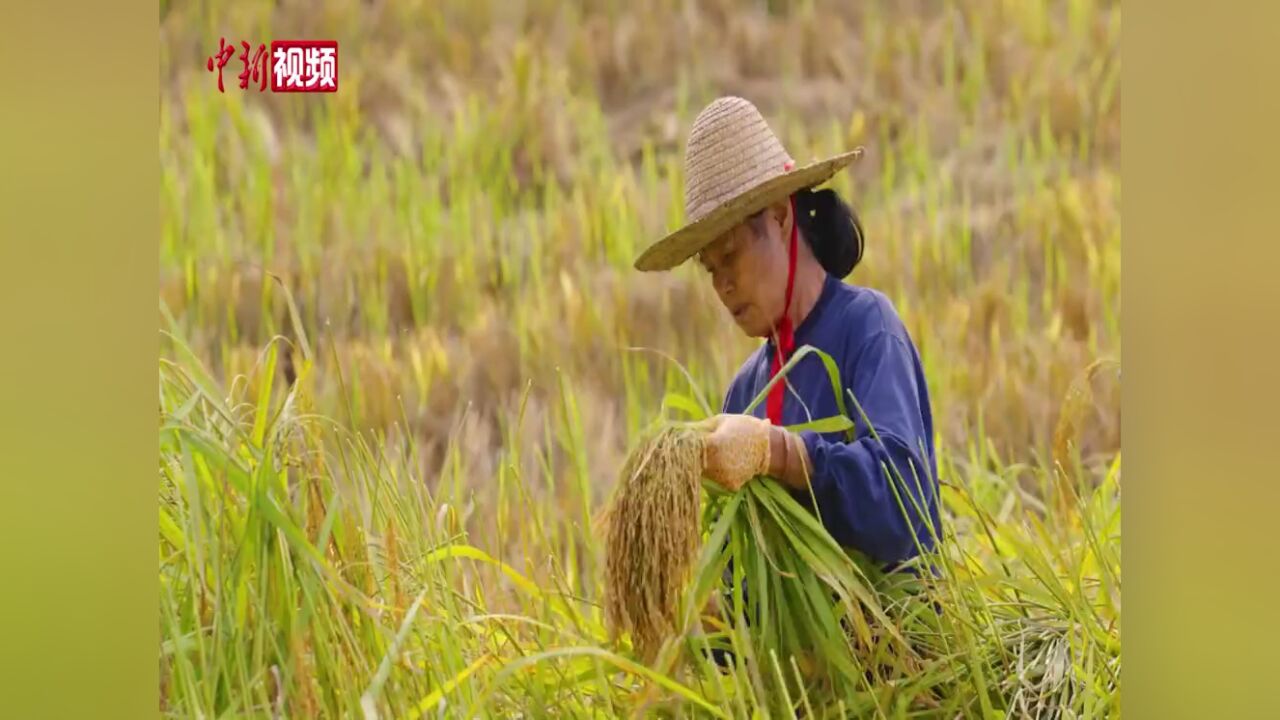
404 353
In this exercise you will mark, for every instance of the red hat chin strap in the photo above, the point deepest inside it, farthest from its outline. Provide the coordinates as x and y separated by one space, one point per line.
786 333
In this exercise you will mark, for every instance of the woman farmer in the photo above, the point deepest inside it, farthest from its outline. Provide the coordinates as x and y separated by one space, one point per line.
776 252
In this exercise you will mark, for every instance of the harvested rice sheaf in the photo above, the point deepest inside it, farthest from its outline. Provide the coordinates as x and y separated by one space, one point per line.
652 535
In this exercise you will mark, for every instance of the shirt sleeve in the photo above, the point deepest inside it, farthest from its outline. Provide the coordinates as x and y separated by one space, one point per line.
729 405
849 479
735 398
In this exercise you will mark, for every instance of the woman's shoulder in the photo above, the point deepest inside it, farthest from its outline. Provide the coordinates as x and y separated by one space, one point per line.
866 311
750 367
741 387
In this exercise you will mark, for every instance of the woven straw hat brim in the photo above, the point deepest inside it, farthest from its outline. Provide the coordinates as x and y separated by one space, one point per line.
686 242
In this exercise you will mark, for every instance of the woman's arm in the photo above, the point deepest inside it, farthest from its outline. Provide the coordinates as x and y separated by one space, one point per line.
851 480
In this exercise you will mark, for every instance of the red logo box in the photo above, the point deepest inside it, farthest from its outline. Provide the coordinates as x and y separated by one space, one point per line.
304 66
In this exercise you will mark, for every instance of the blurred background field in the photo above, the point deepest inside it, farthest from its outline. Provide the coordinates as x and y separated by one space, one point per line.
456 227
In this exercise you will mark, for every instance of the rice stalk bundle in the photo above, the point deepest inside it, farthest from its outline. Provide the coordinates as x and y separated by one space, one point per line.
802 615
799 614
652 535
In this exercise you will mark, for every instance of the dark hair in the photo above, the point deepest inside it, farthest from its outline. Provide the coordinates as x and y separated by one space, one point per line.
831 228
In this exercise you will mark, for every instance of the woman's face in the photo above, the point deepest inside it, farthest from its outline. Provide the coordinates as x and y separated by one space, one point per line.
748 268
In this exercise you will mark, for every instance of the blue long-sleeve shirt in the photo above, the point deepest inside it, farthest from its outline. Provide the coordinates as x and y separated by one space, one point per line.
859 328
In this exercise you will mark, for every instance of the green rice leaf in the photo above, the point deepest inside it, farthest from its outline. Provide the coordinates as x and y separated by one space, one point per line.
835 423
622 663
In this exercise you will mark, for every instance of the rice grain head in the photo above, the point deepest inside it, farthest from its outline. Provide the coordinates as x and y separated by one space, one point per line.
652 536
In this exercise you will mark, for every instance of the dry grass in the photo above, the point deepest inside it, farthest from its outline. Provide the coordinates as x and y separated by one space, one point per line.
653 535
480 186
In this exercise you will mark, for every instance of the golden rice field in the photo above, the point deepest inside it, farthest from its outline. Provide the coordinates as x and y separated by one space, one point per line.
404 354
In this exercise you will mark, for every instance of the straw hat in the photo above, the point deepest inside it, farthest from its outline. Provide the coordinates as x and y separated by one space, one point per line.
734 167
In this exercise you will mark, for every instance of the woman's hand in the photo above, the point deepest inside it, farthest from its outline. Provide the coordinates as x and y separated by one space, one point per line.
740 447
737 449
